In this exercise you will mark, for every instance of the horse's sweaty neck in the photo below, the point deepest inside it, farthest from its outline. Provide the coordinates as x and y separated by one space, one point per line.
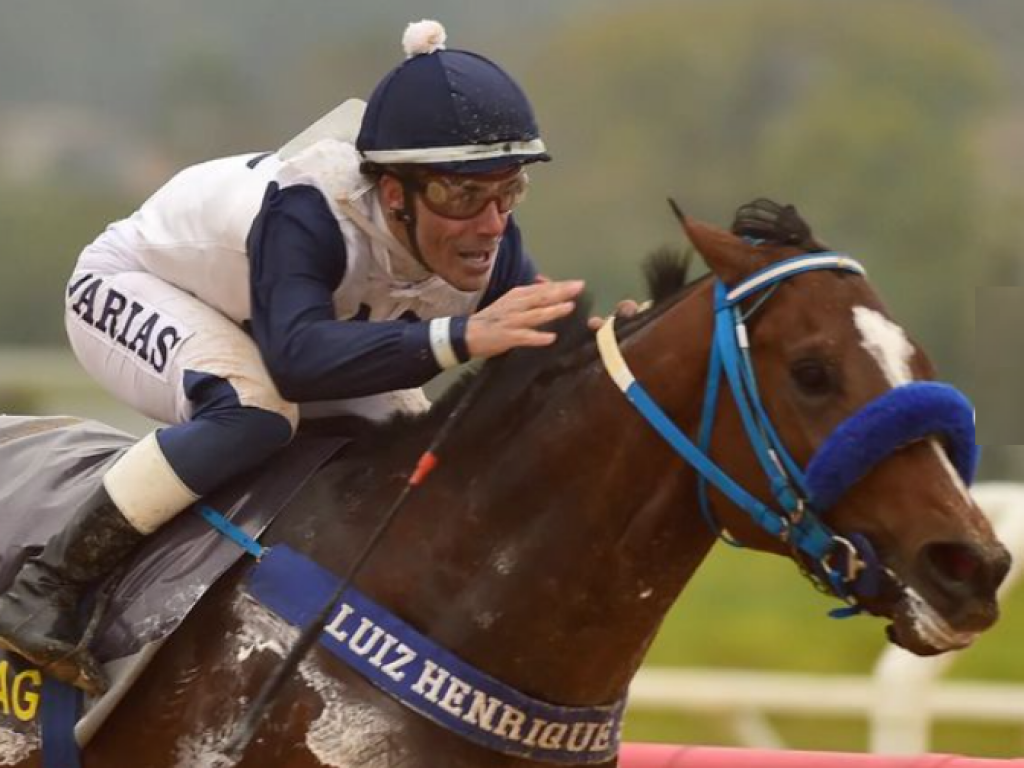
548 558
595 530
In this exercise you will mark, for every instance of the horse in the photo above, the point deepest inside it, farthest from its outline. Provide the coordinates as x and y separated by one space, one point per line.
558 529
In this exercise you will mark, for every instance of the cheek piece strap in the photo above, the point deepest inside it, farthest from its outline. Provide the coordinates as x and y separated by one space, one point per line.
407 215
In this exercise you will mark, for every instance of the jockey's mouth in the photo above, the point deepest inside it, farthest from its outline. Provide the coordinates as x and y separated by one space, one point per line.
478 256
480 259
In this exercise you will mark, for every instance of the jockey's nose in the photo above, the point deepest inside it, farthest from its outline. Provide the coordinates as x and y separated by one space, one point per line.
491 222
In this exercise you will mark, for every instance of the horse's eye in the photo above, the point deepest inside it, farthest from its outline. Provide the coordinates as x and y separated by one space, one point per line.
812 376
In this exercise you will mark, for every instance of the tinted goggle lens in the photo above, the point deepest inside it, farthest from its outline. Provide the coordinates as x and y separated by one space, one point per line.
463 198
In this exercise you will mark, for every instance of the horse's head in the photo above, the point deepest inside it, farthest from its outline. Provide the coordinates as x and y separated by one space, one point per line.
824 351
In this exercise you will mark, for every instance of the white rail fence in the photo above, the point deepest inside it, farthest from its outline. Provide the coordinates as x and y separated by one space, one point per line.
900 700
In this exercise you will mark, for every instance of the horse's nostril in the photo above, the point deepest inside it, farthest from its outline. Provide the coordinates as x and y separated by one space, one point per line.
964 569
954 562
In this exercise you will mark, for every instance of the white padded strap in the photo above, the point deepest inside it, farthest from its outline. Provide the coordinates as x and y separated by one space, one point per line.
441 342
145 488
612 357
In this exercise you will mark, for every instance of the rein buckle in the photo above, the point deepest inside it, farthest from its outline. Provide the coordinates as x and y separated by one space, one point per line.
854 565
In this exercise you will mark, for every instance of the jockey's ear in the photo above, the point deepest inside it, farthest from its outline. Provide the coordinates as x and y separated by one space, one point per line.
391 192
731 258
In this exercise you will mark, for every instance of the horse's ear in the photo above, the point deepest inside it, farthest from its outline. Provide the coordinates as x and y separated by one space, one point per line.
731 258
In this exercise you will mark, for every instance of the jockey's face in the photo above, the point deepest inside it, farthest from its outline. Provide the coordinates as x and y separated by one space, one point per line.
461 251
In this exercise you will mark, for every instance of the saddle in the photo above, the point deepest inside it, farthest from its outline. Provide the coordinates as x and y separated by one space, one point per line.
47 466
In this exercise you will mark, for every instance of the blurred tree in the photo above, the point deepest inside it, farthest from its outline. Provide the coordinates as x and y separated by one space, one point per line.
865 115
207 107
891 124
861 114
45 227
998 365
19 400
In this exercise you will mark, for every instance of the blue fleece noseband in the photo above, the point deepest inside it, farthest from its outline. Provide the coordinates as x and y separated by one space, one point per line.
901 416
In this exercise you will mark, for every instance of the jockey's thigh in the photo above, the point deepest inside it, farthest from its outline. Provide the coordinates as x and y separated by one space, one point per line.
161 338
179 361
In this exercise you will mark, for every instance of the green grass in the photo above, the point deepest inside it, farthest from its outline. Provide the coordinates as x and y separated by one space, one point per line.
754 611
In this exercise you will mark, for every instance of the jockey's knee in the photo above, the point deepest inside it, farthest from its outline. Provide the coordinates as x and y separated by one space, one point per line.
229 433
224 399
227 436
169 470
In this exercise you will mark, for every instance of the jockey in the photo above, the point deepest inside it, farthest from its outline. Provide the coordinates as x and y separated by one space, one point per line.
338 275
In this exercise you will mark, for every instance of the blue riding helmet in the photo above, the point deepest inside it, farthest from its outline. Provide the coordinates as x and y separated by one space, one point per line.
452 111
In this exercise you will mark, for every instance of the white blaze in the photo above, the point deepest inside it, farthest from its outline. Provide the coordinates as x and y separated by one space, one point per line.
887 343
958 482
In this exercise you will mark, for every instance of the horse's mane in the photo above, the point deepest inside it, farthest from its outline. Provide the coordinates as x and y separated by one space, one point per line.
527 377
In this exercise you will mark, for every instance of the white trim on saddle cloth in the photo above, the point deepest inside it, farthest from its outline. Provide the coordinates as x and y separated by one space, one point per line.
429 679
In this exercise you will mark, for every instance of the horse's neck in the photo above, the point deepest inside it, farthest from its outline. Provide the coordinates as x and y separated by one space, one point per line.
552 564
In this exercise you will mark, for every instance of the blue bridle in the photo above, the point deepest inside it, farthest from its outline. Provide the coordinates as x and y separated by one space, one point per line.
845 566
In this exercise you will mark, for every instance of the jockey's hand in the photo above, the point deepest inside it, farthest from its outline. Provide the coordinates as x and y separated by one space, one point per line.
512 321
625 308
765 219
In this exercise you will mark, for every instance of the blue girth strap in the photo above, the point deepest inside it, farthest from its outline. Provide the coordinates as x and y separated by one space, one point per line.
231 531
847 566
60 708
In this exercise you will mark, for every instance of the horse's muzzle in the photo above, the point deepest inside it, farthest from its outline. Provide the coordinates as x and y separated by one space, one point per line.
949 597
960 580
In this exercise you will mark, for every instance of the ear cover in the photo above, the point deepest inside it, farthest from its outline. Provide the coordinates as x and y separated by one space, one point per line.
901 416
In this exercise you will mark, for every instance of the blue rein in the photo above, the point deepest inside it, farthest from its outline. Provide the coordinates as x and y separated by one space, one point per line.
846 566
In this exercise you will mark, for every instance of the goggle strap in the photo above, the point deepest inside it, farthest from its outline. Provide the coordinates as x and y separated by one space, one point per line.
383 236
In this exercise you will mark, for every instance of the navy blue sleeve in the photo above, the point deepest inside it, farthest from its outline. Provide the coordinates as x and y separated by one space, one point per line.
297 260
513 266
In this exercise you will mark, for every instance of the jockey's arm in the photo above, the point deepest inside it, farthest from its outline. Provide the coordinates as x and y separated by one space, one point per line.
297 261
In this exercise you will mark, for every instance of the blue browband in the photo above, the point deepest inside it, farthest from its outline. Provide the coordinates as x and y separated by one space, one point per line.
847 566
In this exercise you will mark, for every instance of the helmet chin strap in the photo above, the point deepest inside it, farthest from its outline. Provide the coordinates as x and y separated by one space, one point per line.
407 216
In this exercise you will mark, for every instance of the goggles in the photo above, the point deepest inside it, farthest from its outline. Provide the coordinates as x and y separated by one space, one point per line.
464 197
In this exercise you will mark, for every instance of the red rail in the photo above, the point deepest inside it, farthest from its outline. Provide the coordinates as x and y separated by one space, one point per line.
668 756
